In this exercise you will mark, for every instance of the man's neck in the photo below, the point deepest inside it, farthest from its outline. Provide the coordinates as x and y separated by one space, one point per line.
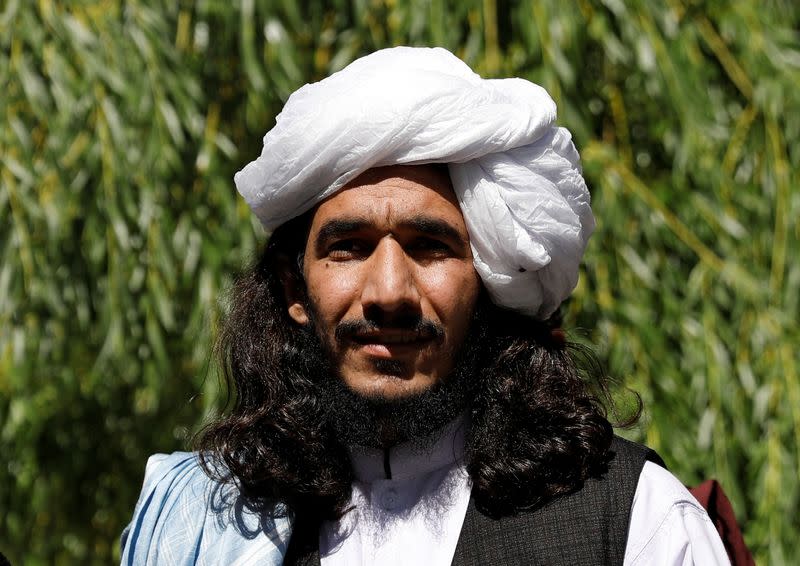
412 458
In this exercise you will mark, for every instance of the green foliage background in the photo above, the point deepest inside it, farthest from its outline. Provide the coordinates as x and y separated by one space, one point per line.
123 121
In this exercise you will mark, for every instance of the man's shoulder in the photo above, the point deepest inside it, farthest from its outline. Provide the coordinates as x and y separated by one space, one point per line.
174 474
185 517
668 524
658 489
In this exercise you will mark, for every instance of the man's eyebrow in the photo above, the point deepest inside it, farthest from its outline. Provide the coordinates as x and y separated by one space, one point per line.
340 226
430 226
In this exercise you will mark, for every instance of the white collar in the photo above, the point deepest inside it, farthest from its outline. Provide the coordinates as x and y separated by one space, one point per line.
412 459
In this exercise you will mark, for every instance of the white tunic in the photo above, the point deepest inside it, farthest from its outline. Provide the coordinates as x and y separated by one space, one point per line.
416 516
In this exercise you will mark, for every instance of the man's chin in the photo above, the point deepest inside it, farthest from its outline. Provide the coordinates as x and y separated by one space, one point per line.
393 368
387 410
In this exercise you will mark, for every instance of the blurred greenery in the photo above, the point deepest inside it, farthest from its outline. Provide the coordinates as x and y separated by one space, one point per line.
123 122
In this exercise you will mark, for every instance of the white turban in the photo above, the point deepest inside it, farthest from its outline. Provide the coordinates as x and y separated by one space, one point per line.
516 175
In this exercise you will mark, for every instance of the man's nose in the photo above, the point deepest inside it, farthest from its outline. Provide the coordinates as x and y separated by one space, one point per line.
390 284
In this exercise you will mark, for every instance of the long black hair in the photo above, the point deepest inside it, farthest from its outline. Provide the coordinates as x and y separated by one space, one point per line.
538 425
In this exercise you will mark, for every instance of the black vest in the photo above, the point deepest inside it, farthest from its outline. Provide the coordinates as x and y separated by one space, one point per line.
588 527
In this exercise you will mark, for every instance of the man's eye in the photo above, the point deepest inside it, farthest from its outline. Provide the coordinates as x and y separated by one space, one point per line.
346 249
430 246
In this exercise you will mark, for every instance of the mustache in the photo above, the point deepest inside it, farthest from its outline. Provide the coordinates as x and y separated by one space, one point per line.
425 328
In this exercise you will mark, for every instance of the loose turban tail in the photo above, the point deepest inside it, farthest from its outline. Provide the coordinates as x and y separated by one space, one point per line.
516 175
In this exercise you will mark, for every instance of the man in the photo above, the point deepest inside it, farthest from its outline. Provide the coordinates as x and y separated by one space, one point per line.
404 394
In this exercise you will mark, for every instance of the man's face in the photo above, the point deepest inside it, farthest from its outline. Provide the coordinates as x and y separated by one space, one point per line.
389 279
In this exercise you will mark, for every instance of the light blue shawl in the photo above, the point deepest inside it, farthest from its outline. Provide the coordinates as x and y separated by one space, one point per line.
185 518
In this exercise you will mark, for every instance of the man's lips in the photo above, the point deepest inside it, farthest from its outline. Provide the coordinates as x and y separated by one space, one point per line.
390 337
389 341
388 344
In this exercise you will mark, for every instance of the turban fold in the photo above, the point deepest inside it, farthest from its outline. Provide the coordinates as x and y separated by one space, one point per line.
516 175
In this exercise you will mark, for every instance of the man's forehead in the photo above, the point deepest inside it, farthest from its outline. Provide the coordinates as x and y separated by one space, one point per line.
397 177
436 172
399 194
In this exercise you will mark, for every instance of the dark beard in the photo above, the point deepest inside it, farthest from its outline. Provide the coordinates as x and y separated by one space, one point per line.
356 420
